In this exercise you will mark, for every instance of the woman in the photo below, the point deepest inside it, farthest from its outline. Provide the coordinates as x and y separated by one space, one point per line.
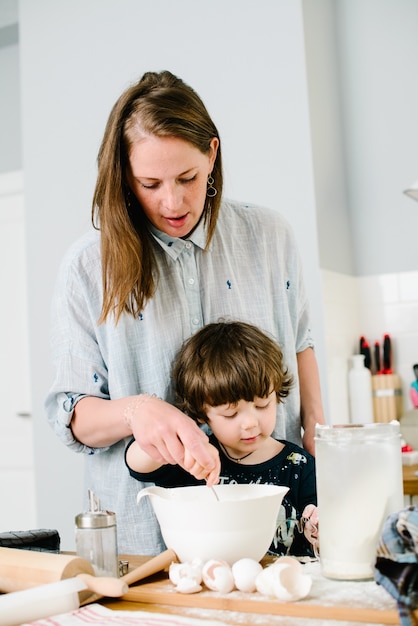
169 255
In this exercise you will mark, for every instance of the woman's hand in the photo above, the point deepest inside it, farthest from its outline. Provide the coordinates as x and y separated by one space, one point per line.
201 473
169 436
162 431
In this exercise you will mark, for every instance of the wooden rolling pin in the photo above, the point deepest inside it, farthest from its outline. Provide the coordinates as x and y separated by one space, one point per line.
24 569
36 603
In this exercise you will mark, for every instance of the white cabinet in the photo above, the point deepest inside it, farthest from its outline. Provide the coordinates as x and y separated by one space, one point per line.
17 482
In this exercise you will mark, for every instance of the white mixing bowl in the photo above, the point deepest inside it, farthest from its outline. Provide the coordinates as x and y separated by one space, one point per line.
197 525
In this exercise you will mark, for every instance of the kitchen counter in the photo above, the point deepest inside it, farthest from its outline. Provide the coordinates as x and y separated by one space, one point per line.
329 603
410 480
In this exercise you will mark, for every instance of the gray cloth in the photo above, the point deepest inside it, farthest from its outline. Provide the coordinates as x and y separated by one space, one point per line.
396 567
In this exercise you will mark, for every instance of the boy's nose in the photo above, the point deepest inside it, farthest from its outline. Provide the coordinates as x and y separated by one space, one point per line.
249 420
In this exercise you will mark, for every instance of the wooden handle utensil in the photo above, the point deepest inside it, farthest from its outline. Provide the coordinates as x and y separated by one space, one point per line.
154 565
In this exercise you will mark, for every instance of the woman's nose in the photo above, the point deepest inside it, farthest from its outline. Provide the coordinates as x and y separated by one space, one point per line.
171 197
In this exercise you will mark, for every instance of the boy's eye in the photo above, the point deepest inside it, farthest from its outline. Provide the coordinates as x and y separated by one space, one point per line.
262 406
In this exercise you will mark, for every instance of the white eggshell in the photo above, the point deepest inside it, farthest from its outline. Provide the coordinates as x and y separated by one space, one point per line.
217 575
284 580
189 570
188 585
264 582
291 584
289 560
245 572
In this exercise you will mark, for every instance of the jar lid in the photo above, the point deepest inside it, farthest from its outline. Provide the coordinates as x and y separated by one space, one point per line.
357 432
95 519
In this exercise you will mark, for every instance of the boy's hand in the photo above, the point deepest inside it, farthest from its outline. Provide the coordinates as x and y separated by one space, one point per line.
311 520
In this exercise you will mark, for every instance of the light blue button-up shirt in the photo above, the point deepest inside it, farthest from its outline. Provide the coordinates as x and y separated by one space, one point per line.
251 273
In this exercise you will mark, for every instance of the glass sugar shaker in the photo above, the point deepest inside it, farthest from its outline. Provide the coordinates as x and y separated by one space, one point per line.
96 538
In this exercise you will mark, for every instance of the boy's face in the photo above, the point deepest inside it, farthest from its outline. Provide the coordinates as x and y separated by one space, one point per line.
243 427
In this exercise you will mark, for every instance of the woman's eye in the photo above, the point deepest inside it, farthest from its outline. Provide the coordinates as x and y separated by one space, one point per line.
149 185
185 181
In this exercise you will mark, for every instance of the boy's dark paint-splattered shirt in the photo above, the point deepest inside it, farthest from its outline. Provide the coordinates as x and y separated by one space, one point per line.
293 467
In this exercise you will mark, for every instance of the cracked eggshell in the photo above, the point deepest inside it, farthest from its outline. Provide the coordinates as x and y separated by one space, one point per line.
285 580
245 571
291 584
188 585
191 570
217 576
264 582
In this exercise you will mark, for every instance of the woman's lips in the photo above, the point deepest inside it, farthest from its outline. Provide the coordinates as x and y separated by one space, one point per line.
177 222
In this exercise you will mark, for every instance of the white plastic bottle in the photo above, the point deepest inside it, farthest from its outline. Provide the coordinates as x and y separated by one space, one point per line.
360 391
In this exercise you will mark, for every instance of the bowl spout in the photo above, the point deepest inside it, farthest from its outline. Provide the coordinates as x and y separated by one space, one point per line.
153 492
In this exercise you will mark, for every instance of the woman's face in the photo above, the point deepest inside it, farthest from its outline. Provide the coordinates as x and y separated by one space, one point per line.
169 178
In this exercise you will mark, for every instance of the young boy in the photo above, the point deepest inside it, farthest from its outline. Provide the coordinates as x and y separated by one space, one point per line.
231 376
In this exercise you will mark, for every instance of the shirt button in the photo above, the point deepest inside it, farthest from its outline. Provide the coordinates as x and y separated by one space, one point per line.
195 321
191 281
188 245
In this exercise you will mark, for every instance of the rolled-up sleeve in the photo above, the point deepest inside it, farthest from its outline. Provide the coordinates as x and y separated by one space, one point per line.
80 369
60 411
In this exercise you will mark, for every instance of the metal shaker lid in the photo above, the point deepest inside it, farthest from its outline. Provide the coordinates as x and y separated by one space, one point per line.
95 517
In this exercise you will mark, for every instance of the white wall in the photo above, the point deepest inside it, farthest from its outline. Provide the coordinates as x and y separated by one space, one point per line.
378 52
376 49
247 61
327 128
10 128
361 59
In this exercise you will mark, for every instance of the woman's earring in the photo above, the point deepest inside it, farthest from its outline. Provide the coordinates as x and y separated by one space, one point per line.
211 190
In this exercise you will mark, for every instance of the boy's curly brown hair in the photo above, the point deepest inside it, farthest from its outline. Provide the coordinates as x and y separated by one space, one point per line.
226 362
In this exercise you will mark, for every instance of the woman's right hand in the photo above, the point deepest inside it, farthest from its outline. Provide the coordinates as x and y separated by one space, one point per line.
165 433
200 472
169 436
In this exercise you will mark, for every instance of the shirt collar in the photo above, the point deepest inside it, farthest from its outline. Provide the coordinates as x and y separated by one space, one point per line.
175 245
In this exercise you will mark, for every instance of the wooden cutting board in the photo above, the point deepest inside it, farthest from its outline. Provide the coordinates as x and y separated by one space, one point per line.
329 600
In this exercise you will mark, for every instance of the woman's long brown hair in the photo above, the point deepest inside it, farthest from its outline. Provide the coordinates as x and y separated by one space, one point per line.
163 105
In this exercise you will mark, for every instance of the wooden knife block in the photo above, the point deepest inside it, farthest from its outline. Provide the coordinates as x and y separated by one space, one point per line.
387 397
